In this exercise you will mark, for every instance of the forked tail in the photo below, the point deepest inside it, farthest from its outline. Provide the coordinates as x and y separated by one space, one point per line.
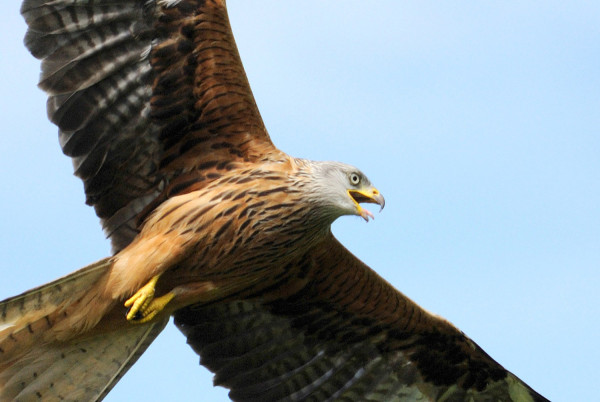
38 361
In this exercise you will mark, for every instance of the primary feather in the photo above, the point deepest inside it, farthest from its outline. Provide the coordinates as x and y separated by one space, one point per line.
153 105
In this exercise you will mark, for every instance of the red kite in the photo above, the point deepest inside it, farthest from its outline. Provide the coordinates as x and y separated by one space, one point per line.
212 224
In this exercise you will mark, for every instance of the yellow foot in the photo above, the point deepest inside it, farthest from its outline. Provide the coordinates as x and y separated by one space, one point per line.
143 306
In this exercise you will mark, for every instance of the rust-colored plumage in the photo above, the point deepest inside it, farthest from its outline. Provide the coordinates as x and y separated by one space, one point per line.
214 225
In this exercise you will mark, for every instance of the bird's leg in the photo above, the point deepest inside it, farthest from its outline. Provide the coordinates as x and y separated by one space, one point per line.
143 306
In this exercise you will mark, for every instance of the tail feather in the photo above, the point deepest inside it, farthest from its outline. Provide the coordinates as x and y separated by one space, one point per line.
26 318
85 369
38 363
18 311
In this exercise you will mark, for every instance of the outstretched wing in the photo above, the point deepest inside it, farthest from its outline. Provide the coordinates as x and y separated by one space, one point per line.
150 98
347 335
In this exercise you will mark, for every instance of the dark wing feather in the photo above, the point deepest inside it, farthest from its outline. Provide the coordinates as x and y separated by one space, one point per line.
347 335
148 96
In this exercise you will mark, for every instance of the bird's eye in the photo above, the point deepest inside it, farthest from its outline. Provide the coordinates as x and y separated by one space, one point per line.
354 179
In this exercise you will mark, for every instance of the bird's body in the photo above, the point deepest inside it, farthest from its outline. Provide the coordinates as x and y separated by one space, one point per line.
221 238
227 238
212 224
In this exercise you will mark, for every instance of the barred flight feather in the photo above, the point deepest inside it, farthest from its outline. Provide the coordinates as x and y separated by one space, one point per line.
142 71
155 110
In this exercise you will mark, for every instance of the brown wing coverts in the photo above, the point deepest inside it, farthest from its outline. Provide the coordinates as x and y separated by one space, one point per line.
142 92
151 100
347 335
202 98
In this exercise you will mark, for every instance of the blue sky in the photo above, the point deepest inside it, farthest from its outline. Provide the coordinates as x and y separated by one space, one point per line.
478 121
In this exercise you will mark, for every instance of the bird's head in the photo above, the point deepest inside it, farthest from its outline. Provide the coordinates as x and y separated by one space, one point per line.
341 188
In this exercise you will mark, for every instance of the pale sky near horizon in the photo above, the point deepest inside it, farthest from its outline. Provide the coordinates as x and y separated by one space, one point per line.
479 122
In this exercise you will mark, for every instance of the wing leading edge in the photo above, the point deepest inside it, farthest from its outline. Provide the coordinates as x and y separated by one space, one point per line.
346 335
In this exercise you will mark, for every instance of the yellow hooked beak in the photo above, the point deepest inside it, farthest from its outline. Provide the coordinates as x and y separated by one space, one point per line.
369 195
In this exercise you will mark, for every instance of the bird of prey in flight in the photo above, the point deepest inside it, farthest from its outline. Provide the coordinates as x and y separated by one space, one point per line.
212 224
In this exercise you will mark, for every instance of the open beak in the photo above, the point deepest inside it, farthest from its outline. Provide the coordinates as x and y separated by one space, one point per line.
371 196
